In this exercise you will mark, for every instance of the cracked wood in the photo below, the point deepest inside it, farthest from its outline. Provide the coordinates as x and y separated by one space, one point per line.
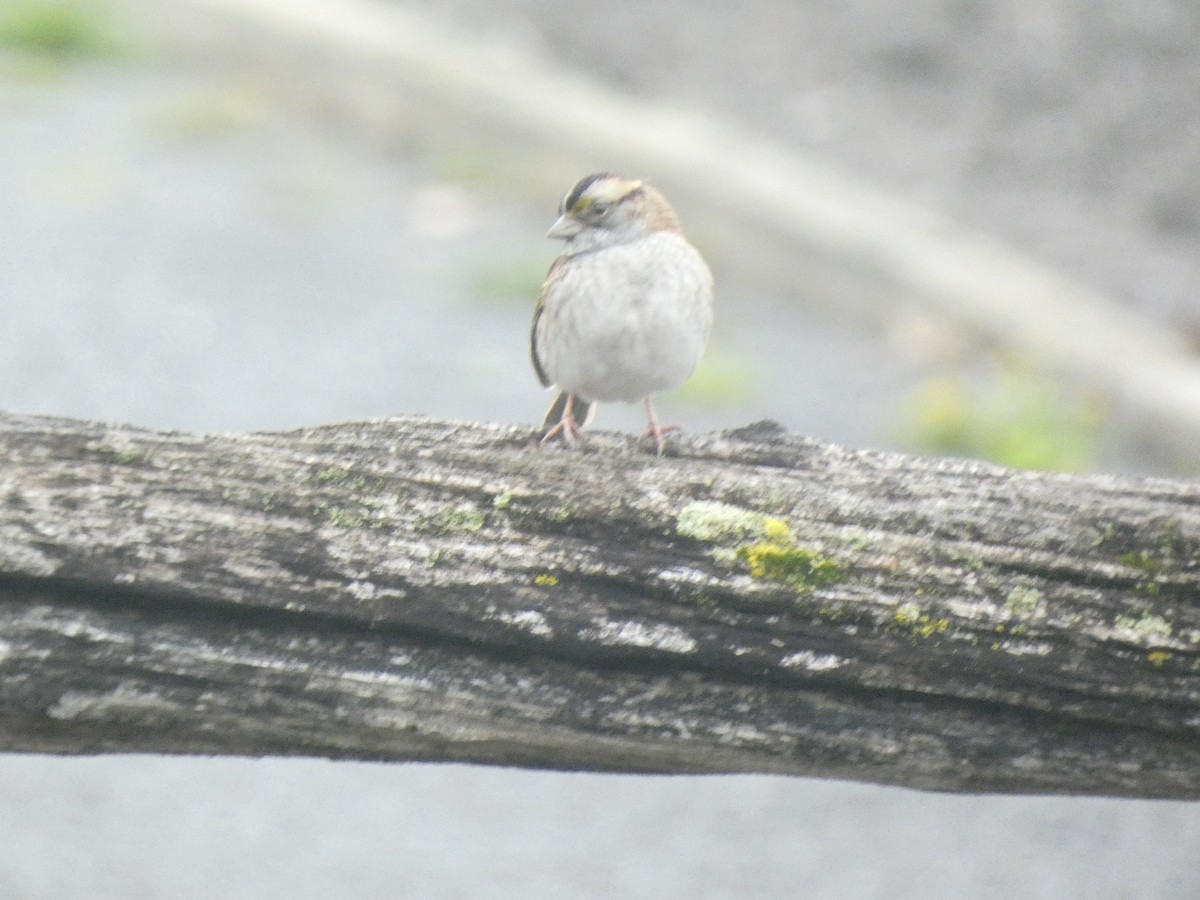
752 602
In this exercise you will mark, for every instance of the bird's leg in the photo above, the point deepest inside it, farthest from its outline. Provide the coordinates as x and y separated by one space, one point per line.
659 432
566 425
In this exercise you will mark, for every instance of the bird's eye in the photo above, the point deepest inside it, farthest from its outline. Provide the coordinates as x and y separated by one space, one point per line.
600 209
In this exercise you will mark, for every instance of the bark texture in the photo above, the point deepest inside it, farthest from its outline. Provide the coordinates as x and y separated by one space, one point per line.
752 602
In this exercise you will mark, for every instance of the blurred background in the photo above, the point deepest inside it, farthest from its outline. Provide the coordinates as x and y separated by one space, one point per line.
226 216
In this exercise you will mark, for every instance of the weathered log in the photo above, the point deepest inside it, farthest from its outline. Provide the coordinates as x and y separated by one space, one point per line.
752 602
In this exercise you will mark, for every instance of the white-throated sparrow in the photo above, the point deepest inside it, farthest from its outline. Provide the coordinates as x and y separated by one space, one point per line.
626 309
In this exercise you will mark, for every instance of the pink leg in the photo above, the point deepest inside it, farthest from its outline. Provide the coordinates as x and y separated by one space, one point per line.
567 426
659 433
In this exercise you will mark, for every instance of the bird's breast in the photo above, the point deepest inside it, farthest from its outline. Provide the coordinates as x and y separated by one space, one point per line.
627 321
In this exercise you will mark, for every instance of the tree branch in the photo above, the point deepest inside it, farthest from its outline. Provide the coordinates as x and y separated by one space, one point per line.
753 602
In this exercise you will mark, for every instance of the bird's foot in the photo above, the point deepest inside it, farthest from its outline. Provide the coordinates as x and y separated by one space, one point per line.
655 430
567 426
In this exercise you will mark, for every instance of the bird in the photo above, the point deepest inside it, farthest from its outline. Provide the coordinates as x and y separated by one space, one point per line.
626 309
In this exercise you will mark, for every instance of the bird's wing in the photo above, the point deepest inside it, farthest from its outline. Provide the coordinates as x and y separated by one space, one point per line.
551 277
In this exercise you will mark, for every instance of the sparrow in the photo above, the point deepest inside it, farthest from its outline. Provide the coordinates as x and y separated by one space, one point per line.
626 309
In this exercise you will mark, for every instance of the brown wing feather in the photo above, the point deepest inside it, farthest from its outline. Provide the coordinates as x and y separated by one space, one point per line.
533 351
537 315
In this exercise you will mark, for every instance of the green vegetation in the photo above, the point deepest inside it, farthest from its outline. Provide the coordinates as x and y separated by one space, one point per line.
723 379
510 281
1019 419
58 29
220 111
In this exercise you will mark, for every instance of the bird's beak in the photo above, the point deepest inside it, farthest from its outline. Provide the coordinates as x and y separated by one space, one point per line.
565 227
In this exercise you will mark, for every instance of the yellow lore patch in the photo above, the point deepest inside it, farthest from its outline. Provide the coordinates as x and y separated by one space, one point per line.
605 190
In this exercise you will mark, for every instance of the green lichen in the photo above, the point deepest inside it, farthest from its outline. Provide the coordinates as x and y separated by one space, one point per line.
794 566
971 561
1174 544
345 518
364 513
545 580
708 520
764 544
1023 601
1148 628
124 457
913 618
1156 658
501 501
777 530
333 475
1140 561
341 476
564 512
460 518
